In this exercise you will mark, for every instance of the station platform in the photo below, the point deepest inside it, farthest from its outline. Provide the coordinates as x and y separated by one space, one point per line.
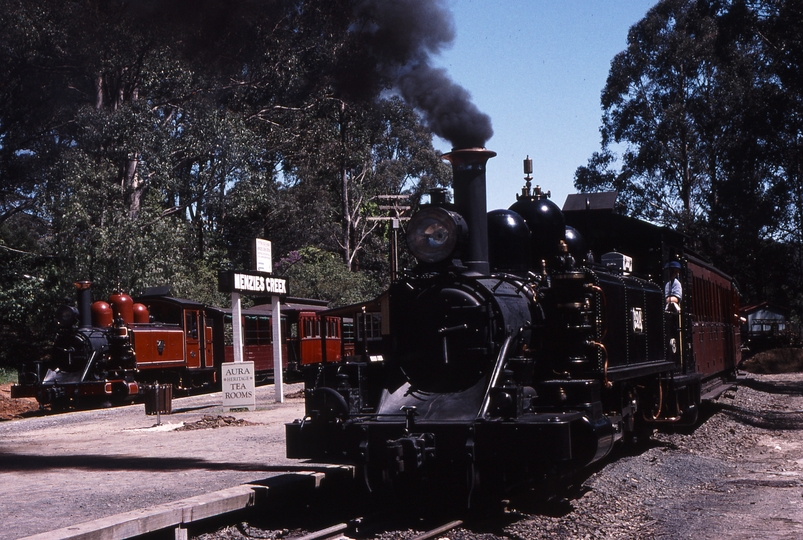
64 469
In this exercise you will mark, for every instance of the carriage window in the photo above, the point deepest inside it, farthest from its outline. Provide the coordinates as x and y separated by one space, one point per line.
347 330
228 331
311 328
369 326
715 303
333 330
164 314
711 308
258 330
191 326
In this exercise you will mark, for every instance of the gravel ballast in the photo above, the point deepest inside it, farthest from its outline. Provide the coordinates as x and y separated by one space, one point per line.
738 475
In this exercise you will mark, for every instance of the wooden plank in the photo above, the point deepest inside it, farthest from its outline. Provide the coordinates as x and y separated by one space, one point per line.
138 522
173 514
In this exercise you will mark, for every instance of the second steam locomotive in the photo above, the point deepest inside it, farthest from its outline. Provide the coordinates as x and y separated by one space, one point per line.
107 351
525 344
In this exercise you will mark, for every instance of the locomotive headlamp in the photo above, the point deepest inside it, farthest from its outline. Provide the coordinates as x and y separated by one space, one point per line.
434 233
66 316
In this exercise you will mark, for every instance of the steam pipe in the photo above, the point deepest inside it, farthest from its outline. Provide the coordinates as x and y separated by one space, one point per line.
468 182
500 363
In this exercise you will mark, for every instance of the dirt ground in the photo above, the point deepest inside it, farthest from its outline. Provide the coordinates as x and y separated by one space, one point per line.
15 408
60 469
785 360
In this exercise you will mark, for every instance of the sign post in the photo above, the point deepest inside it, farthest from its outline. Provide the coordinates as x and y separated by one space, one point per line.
278 369
254 283
237 326
395 212
262 255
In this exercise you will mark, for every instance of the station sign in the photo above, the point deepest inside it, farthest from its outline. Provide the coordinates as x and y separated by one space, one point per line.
261 255
251 283
238 384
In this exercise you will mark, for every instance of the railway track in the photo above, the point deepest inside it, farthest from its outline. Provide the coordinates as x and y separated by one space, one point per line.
341 529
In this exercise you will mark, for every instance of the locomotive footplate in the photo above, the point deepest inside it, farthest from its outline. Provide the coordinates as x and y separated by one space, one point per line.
23 390
533 438
546 437
50 393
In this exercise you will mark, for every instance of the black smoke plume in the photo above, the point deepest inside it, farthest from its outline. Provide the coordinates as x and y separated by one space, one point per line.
402 35
391 45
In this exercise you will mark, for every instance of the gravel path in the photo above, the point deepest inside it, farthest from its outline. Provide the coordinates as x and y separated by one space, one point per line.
58 470
739 475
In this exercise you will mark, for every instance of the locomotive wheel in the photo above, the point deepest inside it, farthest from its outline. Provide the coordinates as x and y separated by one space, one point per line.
60 404
485 487
640 436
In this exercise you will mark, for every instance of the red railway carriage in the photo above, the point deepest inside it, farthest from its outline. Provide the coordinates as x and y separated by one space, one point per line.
319 338
305 334
178 328
712 311
361 327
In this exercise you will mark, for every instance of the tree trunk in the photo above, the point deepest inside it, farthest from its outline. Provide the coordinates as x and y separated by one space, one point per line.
133 186
344 191
98 92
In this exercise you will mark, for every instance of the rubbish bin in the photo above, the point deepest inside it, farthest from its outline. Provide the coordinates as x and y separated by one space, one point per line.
158 398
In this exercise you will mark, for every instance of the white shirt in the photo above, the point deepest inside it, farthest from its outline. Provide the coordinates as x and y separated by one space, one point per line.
673 288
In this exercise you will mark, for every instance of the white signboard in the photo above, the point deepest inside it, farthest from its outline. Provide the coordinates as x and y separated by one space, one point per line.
238 386
263 261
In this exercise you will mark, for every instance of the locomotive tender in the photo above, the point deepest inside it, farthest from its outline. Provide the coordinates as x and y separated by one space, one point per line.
524 345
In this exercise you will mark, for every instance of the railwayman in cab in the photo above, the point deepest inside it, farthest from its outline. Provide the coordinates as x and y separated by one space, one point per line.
673 290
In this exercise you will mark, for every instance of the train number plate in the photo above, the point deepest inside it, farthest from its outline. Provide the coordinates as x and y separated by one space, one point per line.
638 321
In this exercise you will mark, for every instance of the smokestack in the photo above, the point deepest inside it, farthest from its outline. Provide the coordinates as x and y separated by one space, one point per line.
468 182
83 294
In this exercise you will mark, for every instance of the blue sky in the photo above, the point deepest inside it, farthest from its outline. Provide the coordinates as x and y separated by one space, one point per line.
537 68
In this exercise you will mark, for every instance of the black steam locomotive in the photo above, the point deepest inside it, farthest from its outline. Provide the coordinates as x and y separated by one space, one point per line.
525 344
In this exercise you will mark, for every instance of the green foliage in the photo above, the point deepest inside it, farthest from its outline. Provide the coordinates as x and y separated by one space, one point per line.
31 287
701 131
145 144
7 376
315 273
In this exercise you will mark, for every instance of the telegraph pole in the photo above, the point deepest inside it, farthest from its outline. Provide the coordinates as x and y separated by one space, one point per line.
395 211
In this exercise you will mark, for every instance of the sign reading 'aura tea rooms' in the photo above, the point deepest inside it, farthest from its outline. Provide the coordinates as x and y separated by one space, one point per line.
238 386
